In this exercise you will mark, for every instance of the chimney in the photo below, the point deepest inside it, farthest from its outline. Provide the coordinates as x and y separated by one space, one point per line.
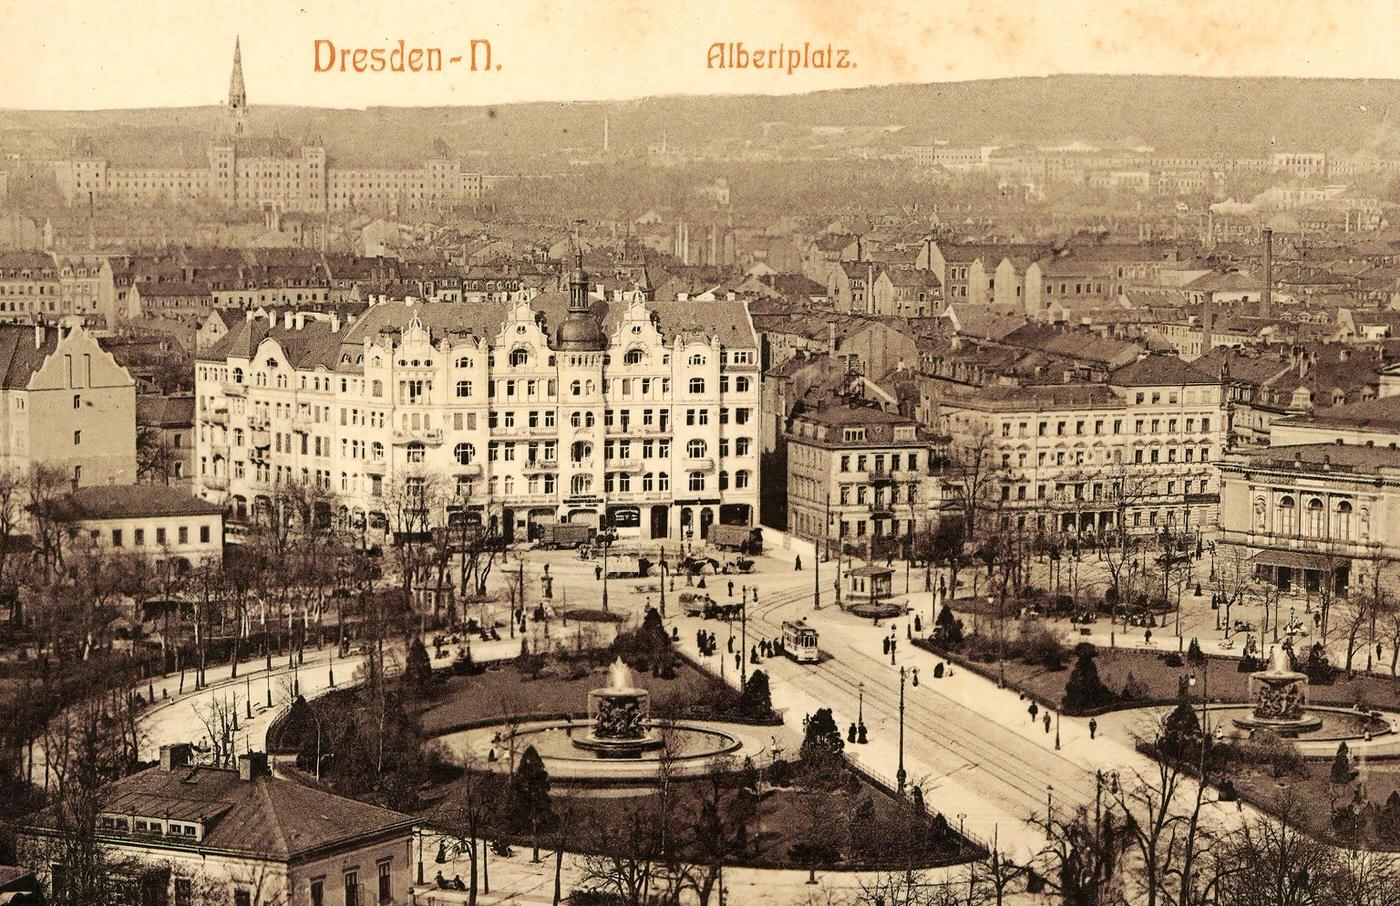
176 756
286 320
831 337
1266 298
251 766
335 323
38 336
300 320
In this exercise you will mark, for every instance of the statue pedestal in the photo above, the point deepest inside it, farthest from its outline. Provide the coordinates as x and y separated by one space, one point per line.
1279 698
619 724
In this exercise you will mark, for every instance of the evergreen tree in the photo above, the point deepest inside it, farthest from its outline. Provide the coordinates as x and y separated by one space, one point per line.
821 735
1194 655
1388 821
528 805
1084 690
418 669
1181 732
1341 764
756 700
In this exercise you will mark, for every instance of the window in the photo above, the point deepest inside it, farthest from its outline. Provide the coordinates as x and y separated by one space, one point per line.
632 357
384 885
352 889
77 438
139 536
245 898
464 389
519 357
77 401
697 481
697 359
464 453
695 448
116 537
697 385
415 452
160 535
318 892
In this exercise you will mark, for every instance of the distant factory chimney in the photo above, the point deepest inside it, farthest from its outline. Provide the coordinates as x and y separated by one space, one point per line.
1266 298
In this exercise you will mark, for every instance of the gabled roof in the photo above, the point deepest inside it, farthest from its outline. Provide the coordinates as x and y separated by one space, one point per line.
21 355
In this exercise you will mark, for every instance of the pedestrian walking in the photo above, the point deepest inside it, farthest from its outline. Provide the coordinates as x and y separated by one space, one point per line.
1033 710
597 573
797 563
1093 727
731 588
1046 720
738 660
1147 637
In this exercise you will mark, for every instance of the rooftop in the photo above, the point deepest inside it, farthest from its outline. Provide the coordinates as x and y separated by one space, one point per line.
125 501
265 816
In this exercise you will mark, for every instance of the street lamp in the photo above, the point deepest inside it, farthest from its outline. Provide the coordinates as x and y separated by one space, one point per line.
661 553
1049 805
860 711
1057 731
900 775
744 638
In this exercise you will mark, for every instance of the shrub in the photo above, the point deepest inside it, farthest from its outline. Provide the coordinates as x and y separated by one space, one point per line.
1134 689
418 668
756 702
1038 644
1266 748
1172 660
948 629
1341 765
1194 654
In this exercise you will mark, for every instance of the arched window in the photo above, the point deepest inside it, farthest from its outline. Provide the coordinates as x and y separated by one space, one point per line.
576 420
1287 516
464 388
464 453
415 452
1342 529
741 385
580 450
581 484
632 357
624 482
376 451
743 476
1315 517
663 481
697 359
697 385
463 362
519 357
238 375
695 448
648 482
576 388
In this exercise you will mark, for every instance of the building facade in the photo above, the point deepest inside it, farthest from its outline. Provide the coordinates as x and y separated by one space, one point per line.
859 475
1078 457
643 416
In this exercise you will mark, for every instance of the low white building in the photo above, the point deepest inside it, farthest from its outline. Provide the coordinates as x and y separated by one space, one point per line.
162 522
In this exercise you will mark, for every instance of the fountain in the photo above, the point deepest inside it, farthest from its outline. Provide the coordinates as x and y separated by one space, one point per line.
1279 698
619 715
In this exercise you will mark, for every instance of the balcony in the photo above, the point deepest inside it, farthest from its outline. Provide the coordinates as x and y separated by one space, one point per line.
232 389
537 466
431 436
699 464
881 476
260 439
218 416
215 482
625 465
472 470
218 450
376 467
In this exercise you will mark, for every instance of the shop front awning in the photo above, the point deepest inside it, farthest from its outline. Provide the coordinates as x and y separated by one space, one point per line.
1300 560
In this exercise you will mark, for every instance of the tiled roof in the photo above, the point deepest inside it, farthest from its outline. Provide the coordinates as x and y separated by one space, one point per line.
1382 412
1340 456
156 411
121 501
1160 371
20 355
266 816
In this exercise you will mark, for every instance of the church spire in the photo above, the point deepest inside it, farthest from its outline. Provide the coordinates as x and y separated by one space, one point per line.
237 94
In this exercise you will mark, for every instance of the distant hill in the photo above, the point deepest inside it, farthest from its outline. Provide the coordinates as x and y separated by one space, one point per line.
1172 114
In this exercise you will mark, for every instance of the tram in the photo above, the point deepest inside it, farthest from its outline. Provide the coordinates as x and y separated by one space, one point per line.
800 642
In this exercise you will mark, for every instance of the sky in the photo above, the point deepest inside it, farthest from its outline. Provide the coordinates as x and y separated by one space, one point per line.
87 54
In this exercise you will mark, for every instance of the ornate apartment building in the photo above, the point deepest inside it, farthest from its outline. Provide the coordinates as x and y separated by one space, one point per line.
516 413
1071 457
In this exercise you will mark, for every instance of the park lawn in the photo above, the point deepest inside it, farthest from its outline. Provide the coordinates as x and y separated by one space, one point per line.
1314 797
779 824
504 689
1226 683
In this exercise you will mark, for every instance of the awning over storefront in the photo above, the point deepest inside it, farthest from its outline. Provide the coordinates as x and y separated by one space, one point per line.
1300 560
